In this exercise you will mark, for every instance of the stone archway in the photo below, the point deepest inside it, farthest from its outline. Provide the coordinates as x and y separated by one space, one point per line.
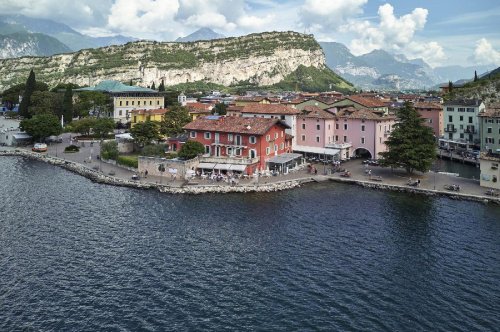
363 153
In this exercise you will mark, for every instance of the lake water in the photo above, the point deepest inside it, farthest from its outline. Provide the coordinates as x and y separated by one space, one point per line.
75 255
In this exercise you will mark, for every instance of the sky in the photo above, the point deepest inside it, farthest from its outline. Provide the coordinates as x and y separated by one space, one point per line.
442 32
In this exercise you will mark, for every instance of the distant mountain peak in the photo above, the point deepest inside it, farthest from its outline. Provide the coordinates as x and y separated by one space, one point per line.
200 34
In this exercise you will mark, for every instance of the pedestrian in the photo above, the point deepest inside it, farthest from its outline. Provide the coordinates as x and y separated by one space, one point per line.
146 174
315 171
369 172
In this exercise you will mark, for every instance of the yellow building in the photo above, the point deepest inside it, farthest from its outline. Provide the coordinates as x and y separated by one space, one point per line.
137 116
243 101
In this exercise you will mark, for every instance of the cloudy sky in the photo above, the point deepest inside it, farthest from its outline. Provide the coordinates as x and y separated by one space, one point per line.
442 32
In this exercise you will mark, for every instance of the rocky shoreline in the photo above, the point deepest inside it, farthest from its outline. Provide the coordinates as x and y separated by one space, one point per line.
99 177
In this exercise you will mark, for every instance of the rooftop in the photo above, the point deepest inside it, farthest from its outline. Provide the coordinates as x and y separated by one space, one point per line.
425 105
315 112
150 112
269 109
366 102
492 111
232 124
353 113
464 102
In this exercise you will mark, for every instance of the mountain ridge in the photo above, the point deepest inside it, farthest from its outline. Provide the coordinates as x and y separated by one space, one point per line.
200 34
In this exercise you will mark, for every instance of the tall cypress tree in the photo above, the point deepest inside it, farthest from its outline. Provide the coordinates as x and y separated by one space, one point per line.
161 88
28 91
475 75
153 86
68 104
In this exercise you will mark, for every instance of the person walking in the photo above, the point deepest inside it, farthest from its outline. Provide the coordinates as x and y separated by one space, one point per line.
146 174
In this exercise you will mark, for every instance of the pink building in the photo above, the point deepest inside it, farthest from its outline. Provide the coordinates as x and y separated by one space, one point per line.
315 132
433 116
362 132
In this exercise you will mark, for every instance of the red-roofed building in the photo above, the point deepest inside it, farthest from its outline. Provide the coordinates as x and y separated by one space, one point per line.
238 143
360 102
199 109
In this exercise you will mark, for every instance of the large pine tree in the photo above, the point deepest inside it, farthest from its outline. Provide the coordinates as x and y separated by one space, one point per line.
411 144
68 104
28 91
161 88
153 87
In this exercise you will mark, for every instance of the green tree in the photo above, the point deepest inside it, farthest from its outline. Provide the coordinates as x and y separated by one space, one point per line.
83 126
411 144
28 91
450 87
161 88
191 149
109 150
174 121
41 126
67 105
145 132
153 86
46 102
64 86
92 101
220 109
102 127
475 75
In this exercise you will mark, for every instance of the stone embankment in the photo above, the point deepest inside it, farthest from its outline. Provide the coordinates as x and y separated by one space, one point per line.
99 177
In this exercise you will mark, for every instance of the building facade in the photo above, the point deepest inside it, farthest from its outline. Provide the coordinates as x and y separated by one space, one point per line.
143 115
461 124
238 143
433 116
489 131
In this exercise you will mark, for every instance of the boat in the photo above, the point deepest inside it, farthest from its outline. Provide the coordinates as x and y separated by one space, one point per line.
39 147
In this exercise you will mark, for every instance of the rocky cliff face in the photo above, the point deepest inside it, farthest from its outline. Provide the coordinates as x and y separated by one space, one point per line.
260 59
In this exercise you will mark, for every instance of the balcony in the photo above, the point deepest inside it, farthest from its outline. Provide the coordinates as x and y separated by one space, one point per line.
470 130
230 160
450 130
387 133
345 145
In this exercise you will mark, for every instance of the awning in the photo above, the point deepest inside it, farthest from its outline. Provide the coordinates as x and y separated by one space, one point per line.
19 136
206 165
284 158
316 150
230 167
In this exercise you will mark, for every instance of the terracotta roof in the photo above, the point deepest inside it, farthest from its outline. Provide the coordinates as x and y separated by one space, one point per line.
232 124
199 108
269 109
492 111
428 105
325 100
366 102
250 98
234 108
354 113
315 112
150 112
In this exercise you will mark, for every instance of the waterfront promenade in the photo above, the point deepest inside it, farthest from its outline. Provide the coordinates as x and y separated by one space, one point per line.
385 178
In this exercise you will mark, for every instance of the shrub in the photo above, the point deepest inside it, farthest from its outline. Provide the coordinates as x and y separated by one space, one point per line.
191 149
130 161
71 148
154 150
109 150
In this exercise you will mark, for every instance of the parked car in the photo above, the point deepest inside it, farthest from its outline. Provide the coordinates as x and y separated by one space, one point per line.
54 139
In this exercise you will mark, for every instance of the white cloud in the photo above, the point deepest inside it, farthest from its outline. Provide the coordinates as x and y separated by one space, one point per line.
328 15
431 52
484 53
255 22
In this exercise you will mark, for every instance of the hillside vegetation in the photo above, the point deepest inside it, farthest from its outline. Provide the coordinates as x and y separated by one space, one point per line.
486 88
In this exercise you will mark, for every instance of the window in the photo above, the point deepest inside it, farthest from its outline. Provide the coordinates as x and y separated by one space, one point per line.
275 135
489 140
462 135
362 140
230 137
207 135
157 102
133 102
253 140
450 118
303 138
238 140
275 147
328 127
461 126
192 134
318 127
126 103
150 102
461 118
490 130
120 112
336 126
135 119
380 139
282 133
317 139
336 138
229 151
450 109
362 127
268 138
345 139
268 151
207 149
470 109
282 146
282 117
470 119
430 120
237 151
345 126
121 103
461 109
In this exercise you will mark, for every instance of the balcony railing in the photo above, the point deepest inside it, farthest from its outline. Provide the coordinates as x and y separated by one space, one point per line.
470 131
450 129
230 160
345 145
387 133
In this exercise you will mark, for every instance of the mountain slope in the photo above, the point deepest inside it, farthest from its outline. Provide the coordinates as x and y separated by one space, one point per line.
258 59
73 39
26 44
486 88
200 34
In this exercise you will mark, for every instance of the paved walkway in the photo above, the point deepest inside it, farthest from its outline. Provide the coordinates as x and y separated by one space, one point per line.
88 153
